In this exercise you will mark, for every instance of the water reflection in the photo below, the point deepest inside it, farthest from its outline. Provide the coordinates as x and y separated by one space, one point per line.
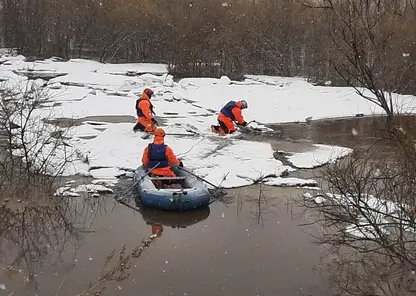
158 218
36 234
348 131
262 204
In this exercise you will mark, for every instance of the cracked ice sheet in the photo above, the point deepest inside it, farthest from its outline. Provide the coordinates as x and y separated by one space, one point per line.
103 80
182 108
290 182
102 104
376 211
68 93
119 147
85 130
243 161
94 74
111 82
285 99
321 155
96 105
73 66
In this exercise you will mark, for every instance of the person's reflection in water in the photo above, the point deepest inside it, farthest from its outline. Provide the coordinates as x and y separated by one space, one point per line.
157 229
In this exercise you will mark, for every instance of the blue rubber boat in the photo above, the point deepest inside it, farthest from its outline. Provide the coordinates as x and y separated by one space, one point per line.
189 192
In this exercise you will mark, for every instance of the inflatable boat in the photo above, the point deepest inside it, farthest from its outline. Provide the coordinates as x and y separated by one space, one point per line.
181 193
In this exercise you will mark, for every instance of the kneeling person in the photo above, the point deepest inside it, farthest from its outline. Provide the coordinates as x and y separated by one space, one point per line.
229 113
158 152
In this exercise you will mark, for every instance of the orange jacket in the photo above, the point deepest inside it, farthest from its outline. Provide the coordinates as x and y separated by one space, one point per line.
145 106
169 155
236 112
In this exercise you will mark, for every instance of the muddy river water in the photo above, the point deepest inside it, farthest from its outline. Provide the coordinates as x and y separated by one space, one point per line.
252 244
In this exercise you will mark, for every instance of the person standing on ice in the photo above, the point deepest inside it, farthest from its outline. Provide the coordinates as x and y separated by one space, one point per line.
229 113
144 110
158 152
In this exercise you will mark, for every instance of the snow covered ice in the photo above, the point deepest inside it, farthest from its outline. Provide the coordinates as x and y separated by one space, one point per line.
386 214
108 150
321 155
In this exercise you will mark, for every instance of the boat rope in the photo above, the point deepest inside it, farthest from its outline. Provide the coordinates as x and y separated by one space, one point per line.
189 150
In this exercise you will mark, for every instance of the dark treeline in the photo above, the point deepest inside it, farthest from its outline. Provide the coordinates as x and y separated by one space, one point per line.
205 37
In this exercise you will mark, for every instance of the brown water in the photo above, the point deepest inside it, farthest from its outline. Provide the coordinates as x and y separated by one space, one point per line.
348 132
251 246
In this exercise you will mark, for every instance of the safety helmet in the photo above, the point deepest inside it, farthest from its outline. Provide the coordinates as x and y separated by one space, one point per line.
244 104
159 132
148 92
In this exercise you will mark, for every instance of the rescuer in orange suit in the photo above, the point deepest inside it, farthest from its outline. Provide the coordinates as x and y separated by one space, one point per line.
144 110
229 113
159 152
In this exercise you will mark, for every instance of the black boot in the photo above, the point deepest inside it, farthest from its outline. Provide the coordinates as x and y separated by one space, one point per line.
214 128
137 127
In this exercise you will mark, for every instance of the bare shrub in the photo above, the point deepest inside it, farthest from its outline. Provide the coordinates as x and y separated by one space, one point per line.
366 51
116 267
33 156
33 153
368 218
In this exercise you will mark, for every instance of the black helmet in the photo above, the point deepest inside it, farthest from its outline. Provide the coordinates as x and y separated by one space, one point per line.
244 104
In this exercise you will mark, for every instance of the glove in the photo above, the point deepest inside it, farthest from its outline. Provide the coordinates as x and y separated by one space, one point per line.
154 121
243 124
181 164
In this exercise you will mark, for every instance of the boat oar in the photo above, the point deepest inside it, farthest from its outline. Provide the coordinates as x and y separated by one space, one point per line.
198 177
137 182
181 134
202 179
147 135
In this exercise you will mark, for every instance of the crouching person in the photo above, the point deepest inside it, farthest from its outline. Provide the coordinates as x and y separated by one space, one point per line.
229 113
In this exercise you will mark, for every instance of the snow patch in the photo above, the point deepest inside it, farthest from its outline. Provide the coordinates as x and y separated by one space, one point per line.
105 182
322 155
290 182
95 89
376 211
106 173
66 191
93 188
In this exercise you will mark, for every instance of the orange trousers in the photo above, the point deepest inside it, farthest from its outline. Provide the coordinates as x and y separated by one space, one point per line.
149 126
165 172
226 123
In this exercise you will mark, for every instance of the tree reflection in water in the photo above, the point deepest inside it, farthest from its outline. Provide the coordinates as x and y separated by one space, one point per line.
33 234
261 204
49 233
